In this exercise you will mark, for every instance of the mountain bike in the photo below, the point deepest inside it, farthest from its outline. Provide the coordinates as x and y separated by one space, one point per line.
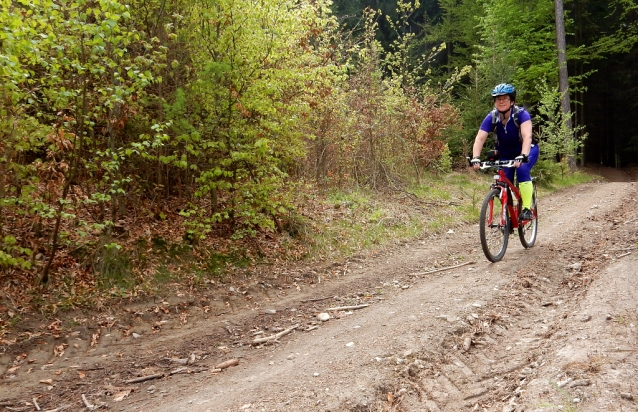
499 205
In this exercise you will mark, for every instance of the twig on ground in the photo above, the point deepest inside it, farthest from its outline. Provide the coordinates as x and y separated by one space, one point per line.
35 403
86 402
228 364
276 336
145 378
316 299
348 307
622 249
443 269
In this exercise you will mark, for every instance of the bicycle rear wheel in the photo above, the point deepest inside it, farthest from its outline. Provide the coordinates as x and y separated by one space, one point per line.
494 230
528 229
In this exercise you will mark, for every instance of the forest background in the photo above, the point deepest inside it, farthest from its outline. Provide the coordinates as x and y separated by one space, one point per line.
148 141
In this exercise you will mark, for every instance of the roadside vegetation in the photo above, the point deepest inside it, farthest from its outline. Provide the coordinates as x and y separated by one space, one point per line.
328 227
147 143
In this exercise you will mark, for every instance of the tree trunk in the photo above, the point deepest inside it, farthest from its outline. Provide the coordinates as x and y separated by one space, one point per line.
563 78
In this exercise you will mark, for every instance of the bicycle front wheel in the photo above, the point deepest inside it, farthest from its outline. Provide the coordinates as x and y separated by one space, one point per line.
494 226
527 229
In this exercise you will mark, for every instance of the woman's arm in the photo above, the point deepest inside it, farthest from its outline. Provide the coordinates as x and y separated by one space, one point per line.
479 141
526 134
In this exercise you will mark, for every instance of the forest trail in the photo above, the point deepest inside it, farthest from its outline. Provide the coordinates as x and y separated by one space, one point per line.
435 327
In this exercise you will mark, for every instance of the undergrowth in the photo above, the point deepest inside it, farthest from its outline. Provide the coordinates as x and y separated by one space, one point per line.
325 227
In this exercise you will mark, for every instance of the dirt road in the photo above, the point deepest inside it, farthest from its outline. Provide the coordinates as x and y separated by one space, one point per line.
435 327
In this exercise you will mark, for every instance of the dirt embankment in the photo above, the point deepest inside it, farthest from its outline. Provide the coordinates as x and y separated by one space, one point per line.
432 326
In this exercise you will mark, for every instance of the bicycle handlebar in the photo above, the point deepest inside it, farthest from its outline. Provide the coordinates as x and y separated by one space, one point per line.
495 163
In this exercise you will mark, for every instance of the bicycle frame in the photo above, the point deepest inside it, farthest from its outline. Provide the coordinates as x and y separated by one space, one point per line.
502 183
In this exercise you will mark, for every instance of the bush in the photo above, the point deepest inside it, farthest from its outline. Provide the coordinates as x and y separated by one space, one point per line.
548 171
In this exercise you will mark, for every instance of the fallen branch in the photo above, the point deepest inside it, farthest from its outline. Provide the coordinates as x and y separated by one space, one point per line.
187 370
443 269
35 403
228 363
316 299
623 255
87 403
349 307
276 336
624 249
145 378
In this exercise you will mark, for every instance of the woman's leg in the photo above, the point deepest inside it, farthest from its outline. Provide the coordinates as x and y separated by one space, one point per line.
523 174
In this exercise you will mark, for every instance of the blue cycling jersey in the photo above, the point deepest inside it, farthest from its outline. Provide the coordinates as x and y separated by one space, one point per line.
507 137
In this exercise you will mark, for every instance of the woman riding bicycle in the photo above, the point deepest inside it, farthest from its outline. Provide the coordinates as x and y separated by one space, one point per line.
512 127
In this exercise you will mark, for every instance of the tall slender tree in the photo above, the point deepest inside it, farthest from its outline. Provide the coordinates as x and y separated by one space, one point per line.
563 76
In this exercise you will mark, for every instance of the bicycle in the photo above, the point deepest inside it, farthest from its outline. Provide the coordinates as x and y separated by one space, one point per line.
497 209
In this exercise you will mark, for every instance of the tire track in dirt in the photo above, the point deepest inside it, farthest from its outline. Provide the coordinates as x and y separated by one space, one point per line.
510 348
407 350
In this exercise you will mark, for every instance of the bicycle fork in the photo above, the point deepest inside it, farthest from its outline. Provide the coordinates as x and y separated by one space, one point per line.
507 208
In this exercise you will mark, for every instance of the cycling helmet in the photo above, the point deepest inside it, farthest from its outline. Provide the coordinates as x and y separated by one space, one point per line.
504 89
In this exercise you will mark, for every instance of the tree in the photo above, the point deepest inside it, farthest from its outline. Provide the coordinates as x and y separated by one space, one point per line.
73 71
563 79
237 126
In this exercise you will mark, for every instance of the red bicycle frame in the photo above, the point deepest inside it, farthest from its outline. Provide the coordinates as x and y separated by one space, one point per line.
503 183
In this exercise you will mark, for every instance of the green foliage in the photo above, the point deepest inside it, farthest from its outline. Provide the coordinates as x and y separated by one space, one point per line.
444 163
457 30
388 123
72 73
13 255
549 171
245 103
557 140
518 50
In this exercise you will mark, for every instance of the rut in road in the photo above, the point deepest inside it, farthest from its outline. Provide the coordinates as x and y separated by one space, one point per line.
510 340
469 338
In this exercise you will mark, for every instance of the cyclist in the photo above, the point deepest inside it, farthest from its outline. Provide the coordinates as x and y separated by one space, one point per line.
512 127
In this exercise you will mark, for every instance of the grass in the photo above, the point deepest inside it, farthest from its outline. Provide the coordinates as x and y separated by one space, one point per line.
360 220
114 267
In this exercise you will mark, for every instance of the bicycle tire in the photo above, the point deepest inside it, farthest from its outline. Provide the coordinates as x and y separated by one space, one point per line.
527 232
494 236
